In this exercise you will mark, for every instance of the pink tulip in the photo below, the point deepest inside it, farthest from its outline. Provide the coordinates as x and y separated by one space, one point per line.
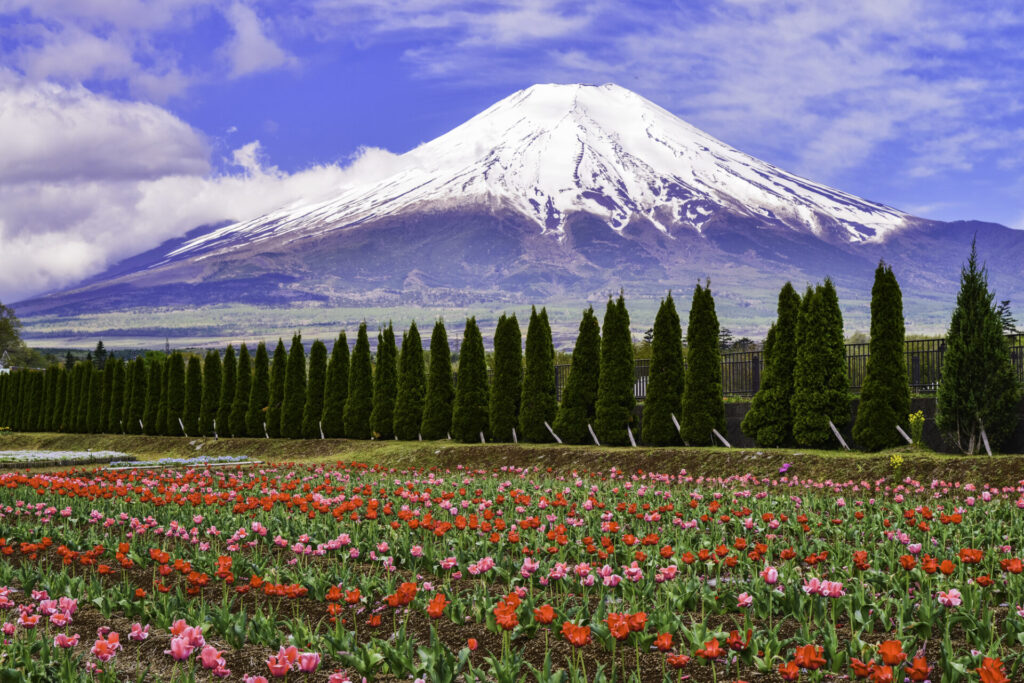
256 679
745 600
63 641
210 657
309 662
951 599
770 575
139 633
60 619
278 665
338 677
178 626
8 628
105 648
181 649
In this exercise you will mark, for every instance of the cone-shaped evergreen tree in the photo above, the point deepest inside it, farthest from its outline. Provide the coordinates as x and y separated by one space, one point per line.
137 405
385 386
66 422
94 401
259 393
314 408
154 390
359 403
507 387
58 401
175 393
81 419
278 370
615 397
437 408
703 403
14 401
129 392
885 393
756 418
294 390
579 397
539 403
336 390
108 391
49 407
770 418
212 382
115 418
821 385
412 386
193 395
243 386
979 389
228 384
161 410
667 378
469 411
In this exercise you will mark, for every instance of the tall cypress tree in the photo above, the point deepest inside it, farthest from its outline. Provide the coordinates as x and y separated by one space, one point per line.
175 393
52 379
240 400
67 422
539 403
228 384
161 411
212 382
129 393
359 403
667 378
336 391
615 397
412 386
979 389
703 403
15 401
294 390
314 408
82 408
507 388
259 394
193 396
108 391
437 408
469 412
385 386
137 405
115 417
579 396
277 374
757 416
821 384
885 393
94 401
58 401
770 419
154 388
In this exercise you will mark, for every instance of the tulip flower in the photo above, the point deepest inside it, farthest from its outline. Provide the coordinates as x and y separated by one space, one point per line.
789 671
919 669
309 662
105 648
950 598
891 652
181 649
63 641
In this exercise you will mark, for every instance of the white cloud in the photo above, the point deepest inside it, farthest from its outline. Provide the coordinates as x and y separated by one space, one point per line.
53 133
98 180
250 50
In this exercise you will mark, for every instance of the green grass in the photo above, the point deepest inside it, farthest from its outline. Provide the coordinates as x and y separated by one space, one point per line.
924 466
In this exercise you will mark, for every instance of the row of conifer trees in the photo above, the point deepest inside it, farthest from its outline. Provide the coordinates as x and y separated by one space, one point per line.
395 395
804 385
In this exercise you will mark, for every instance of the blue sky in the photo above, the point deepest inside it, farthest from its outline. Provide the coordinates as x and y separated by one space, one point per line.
125 122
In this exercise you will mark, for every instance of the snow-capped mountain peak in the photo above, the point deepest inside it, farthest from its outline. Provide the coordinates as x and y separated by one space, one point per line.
551 150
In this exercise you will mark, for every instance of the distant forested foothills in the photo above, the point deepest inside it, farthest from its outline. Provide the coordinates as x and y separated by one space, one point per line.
401 392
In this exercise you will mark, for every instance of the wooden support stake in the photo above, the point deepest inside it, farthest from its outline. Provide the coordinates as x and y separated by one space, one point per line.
182 427
676 423
552 431
321 424
984 440
631 439
593 435
482 439
904 435
515 437
265 432
838 435
721 438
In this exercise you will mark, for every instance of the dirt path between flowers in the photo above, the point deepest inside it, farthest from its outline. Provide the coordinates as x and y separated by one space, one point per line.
923 466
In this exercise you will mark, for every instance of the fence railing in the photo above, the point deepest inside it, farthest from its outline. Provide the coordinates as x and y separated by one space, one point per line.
742 370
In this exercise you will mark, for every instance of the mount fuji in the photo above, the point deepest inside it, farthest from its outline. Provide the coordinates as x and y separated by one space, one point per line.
556 193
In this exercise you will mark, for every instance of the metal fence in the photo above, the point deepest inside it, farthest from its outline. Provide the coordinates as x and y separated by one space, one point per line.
742 370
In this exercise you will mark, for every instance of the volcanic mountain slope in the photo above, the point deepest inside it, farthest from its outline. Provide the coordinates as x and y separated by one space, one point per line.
554 193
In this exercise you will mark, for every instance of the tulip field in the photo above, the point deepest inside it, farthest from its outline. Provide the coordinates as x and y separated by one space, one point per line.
349 572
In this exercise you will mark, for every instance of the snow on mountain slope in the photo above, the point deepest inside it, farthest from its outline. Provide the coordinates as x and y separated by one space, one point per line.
551 150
